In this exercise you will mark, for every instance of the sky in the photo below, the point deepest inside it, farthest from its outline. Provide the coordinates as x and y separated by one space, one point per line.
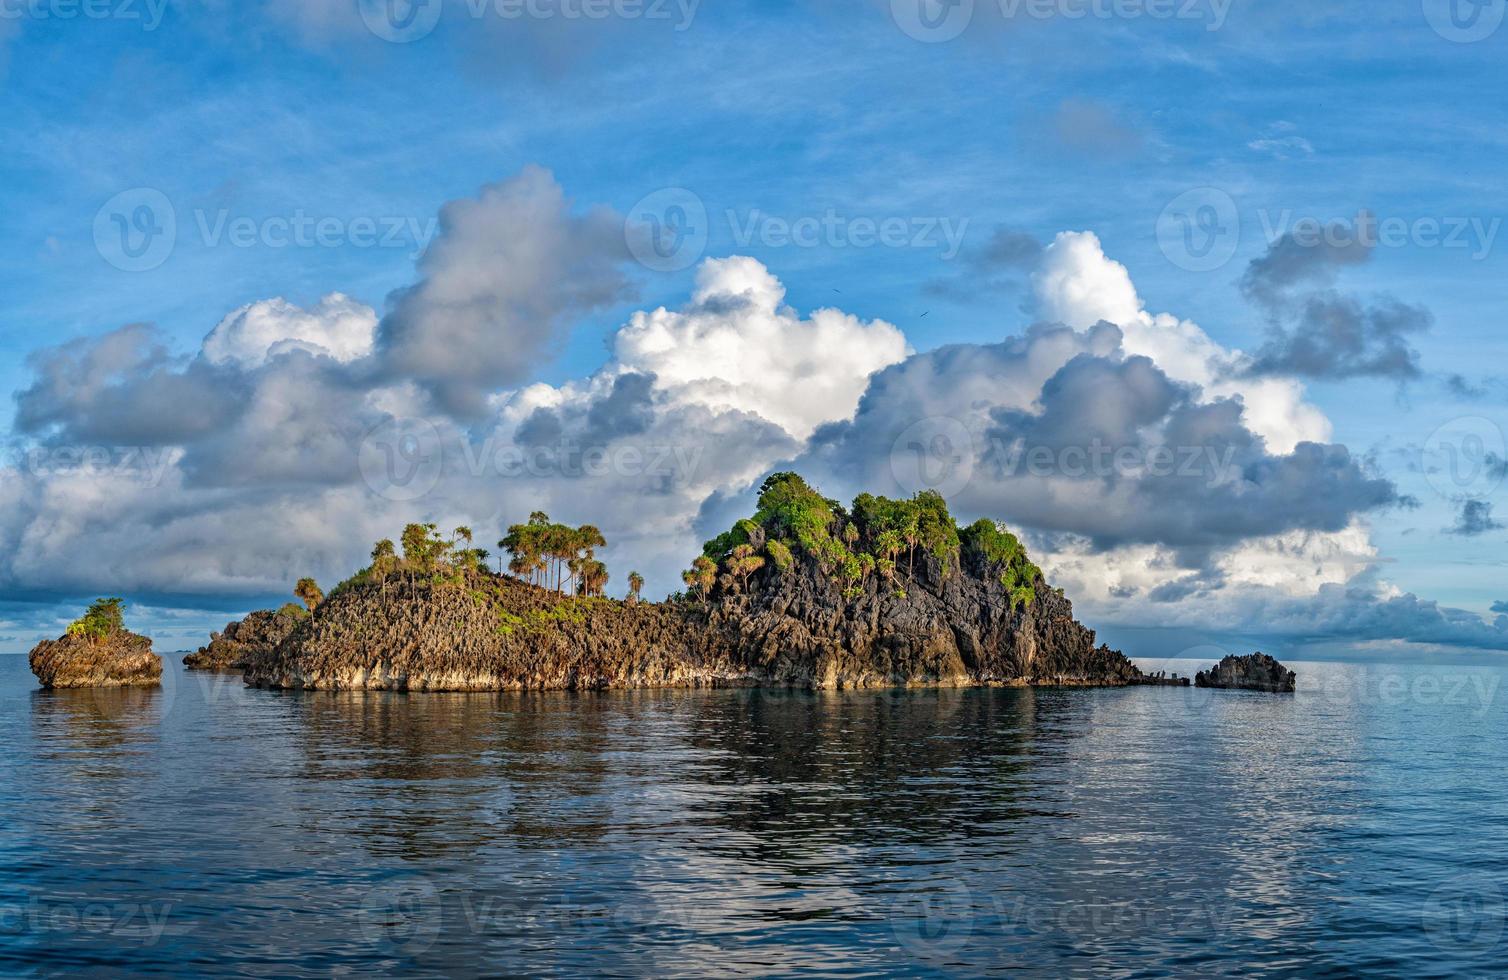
1198 295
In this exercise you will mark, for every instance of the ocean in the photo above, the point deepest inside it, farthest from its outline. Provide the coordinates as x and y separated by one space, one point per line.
1358 826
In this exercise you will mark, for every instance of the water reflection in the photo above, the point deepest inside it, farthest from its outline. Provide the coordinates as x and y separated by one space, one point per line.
695 832
108 727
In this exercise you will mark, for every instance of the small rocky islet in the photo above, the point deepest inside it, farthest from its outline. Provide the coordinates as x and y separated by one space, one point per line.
806 593
97 651
1253 672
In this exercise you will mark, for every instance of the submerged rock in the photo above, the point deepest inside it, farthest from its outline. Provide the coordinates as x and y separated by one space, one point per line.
1254 672
120 659
259 632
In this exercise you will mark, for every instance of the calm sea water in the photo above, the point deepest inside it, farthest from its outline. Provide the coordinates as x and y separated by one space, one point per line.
1359 826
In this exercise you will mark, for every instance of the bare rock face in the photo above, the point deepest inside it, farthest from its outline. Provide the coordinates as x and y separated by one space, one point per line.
949 628
493 634
1255 672
259 632
121 659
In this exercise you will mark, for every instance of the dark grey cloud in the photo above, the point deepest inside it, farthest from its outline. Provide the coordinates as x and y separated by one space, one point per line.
1356 613
506 278
1474 518
1294 263
1104 446
1314 331
1188 587
296 419
124 388
627 410
1500 606
1341 337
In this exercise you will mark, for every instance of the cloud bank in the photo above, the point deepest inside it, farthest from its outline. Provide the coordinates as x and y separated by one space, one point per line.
1159 477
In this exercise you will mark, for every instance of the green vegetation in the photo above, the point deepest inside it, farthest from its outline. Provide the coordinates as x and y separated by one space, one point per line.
878 538
635 586
557 556
103 618
1005 556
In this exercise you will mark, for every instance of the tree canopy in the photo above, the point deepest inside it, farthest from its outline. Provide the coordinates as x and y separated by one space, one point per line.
873 538
103 618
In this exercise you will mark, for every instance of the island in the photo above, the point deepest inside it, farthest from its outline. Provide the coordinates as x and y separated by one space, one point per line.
804 593
97 651
1254 672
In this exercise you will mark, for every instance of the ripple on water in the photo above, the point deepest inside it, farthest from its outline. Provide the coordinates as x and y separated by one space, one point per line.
1151 831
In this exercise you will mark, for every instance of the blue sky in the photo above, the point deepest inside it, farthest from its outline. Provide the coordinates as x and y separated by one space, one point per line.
789 110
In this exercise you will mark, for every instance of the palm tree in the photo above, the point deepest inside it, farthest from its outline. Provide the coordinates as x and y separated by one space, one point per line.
701 575
462 533
384 561
635 585
309 592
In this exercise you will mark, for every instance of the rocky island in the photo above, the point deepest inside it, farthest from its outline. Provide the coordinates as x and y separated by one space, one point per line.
1254 672
805 593
97 651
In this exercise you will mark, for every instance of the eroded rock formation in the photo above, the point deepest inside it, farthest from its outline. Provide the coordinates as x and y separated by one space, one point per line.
1254 672
120 659
259 632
